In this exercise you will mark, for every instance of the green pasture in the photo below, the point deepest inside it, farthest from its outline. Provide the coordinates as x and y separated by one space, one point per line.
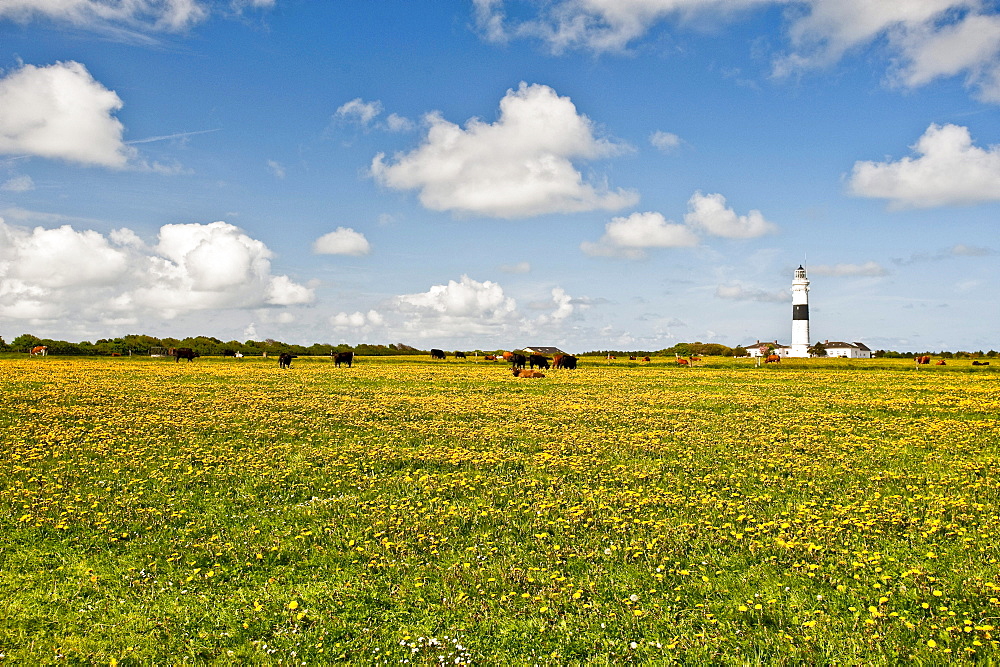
416 511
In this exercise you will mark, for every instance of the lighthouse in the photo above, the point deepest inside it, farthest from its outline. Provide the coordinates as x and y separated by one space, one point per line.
800 314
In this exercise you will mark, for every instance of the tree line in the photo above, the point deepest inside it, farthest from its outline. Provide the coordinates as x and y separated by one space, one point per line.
205 345
211 346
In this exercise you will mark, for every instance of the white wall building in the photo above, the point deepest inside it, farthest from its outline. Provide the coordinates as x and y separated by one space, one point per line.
847 350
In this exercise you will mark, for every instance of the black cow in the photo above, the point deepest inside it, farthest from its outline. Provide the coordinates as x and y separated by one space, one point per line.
539 360
437 354
460 355
285 359
183 353
517 361
564 361
228 353
343 358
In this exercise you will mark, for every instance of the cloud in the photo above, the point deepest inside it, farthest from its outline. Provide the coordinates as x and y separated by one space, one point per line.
949 170
276 168
519 166
738 292
959 250
459 308
397 123
868 269
630 237
359 111
924 40
81 275
665 141
60 112
18 184
709 214
520 267
168 15
342 241
357 320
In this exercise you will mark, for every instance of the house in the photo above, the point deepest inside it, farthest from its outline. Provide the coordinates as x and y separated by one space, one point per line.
847 350
547 351
753 349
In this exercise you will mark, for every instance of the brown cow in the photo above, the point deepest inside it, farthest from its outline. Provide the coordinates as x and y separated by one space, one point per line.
645 358
490 357
682 362
923 360
940 363
40 350
772 359
695 358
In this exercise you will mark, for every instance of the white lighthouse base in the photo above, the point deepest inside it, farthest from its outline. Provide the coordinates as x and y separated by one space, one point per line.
798 351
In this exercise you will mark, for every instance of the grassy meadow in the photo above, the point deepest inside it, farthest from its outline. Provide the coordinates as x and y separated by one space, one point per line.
819 512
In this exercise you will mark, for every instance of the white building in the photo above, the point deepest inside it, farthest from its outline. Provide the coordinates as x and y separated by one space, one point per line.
847 350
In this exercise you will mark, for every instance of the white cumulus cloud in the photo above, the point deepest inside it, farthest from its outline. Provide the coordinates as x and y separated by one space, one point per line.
665 141
461 307
59 111
709 214
630 236
359 111
519 166
357 320
948 170
342 241
83 276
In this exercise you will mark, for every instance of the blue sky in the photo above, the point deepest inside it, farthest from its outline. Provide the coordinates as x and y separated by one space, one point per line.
592 174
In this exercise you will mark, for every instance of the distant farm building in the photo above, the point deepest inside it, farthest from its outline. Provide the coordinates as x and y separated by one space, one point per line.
847 350
543 350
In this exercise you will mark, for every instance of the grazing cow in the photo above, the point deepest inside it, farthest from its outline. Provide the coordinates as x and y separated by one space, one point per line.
773 359
518 361
645 358
183 353
343 358
460 355
437 354
522 373
285 360
539 360
490 357
923 360
567 361
940 363
40 350
682 362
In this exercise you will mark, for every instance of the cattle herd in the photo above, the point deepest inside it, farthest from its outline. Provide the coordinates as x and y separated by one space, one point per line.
517 360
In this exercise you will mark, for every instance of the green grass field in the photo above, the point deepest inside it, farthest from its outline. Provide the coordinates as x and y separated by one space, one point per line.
818 512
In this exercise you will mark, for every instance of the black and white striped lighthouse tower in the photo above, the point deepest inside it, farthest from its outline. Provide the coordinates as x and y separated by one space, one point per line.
800 314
